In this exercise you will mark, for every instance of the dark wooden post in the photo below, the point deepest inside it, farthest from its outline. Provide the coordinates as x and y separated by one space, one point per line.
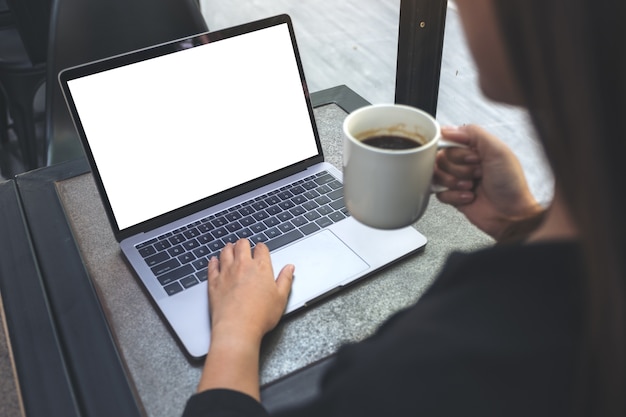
420 44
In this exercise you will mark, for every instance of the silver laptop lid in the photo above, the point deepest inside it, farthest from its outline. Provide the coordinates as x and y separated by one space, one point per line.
178 127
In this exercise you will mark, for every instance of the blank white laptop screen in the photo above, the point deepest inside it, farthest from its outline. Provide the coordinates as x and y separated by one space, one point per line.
142 120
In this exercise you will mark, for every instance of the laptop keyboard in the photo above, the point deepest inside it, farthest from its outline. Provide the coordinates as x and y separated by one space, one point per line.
179 258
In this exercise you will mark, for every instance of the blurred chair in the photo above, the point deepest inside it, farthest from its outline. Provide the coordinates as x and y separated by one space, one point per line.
83 31
6 20
5 14
32 18
23 30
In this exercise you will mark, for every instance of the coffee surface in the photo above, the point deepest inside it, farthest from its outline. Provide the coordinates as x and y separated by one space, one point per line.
391 142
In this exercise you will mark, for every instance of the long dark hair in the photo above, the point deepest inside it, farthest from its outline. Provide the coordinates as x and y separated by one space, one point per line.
570 59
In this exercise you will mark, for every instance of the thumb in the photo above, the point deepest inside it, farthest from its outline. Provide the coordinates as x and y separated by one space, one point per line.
458 134
285 280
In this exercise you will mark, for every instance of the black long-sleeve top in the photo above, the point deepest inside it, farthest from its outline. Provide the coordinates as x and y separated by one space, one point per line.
497 334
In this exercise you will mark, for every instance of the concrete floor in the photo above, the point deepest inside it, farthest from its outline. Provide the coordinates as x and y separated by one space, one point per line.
341 42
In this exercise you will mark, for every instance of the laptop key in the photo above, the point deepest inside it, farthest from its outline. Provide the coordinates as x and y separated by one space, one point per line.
166 266
284 239
322 200
233 227
312 215
205 238
231 217
219 222
272 221
335 185
285 195
297 211
189 281
273 210
298 189
324 189
191 244
202 275
299 199
311 194
162 245
259 205
324 222
230 238
157 258
201 251
244 233
284 216
324 179
217 233
216 245
285 227
271 200
336 216
176 250
309 185
260 215
258 227
258 238
185 258
299 221
338 204
246 210
176 239
272 233
200 264
335 195
147 251
307 229
286 205
325 210
176 274
173 288
191 233
247 221
205 227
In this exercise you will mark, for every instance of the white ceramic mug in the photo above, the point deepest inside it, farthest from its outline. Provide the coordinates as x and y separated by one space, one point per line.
389 188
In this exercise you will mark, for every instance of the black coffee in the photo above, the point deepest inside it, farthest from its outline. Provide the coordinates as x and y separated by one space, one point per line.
391 142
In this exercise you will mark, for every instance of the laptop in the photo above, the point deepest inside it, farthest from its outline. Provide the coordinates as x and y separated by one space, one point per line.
209 139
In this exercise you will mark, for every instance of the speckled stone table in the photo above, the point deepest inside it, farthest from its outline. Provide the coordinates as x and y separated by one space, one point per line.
10 405
164 377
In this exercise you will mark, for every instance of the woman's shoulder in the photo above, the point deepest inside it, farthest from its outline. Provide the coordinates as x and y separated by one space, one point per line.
490 324
509 288
525 265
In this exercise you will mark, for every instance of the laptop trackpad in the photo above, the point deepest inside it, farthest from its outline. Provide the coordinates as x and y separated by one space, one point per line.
322 262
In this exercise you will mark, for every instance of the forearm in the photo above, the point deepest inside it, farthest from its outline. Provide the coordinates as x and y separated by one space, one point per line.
503 225
246 302
232 363
519 229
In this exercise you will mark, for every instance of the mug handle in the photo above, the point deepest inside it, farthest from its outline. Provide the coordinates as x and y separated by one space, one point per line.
436 188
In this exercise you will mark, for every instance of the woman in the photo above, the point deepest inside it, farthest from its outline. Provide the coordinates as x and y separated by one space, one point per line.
533 326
